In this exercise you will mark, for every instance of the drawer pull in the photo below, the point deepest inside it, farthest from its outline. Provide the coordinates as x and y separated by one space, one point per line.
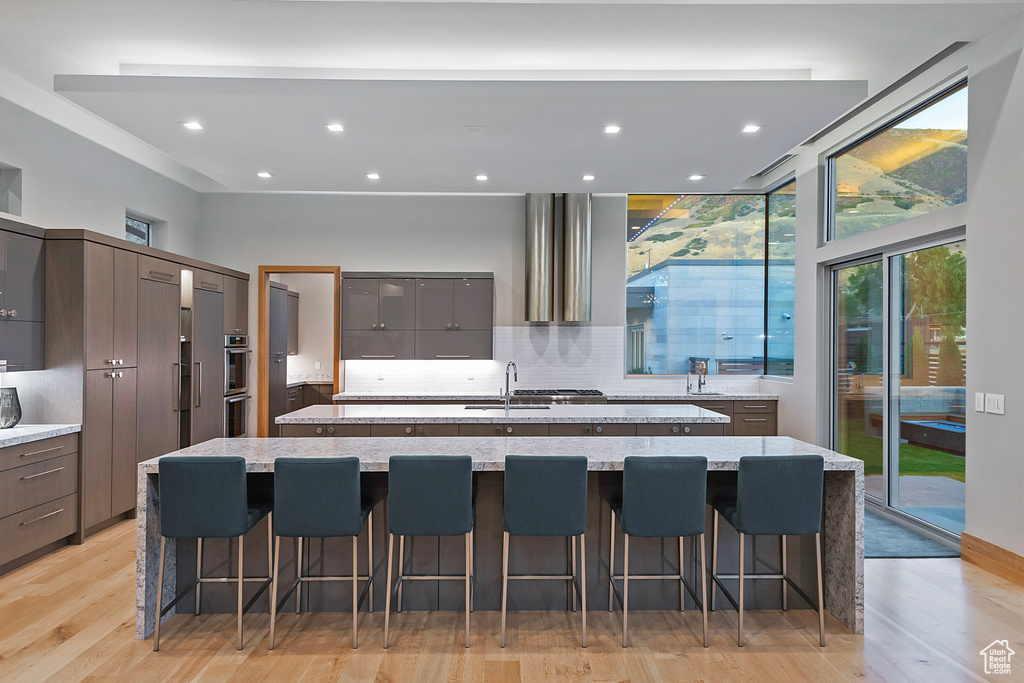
761 407
39 519
162 276
209 285
457 355
45 450
33 476
755 419
365 355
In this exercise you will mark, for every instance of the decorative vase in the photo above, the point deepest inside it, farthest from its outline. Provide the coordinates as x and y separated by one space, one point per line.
10 408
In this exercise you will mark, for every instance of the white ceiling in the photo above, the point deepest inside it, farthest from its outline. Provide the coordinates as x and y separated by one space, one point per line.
672 75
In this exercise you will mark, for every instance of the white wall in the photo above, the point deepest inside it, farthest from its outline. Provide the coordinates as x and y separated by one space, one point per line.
994 216
71 182
316 322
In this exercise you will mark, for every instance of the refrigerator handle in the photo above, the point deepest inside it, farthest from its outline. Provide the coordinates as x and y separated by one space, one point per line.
199 384
177 390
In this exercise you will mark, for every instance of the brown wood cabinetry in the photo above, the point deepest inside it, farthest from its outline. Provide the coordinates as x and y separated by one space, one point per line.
109 453
309 430
111 307
236 305
159 367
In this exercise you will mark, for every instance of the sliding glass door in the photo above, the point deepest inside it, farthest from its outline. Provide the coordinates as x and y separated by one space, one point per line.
899 378
928 384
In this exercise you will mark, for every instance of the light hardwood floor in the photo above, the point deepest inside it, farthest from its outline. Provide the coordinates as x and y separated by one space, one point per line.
70 617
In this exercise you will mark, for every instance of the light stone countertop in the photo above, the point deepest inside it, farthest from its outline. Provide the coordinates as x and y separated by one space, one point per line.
488 453
27 433
460 414
371 396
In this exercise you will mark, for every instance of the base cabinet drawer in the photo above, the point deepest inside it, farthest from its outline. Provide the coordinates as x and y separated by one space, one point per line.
35 451
693 429
313 430
755 425
526 430
614 430
34 528
757 407
25 487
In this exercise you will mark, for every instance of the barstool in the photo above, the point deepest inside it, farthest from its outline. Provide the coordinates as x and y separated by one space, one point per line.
207 497
429 495
321 498
662 496
546 495
776 495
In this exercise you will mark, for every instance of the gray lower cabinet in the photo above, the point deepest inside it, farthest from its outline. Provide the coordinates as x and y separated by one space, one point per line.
208 365
454 344
109 455
377 344
159 367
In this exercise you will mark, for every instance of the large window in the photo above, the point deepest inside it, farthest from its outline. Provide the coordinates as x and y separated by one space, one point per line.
695 288
781 291
914 166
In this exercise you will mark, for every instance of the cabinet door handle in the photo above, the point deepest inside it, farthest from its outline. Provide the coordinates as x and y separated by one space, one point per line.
419 430
210 285
370 355
761 407
13 313
160 276
686 430
755 419
382 326
45 450
38 519
330 430
456 326
199 384
319 430
408 430
599 430
449 326
33 476
508 429
176 402
586 430
497 430
374 325
675 430
452 355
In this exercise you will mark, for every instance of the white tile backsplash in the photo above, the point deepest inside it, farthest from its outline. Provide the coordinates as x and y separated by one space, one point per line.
548 356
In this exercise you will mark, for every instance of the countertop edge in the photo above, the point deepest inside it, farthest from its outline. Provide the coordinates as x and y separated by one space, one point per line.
22 434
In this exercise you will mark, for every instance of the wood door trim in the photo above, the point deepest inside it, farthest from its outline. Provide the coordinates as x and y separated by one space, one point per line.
262 366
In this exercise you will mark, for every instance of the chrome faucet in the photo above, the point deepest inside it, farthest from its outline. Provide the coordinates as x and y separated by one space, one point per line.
702 376
689 382
511 367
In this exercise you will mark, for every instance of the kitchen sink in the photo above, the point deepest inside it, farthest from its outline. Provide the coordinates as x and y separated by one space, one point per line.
513 407
704 393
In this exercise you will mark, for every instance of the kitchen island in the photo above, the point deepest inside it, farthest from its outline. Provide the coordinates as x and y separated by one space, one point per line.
842 531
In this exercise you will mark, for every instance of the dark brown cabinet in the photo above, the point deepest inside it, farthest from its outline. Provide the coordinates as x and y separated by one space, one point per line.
277 379
236 305
378 318
109 454
208 365
111 307
454 318
159 367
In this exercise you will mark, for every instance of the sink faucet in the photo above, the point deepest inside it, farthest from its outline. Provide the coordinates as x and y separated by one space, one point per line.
702 376
510 368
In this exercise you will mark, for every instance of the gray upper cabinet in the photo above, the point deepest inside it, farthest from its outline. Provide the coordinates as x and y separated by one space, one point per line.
435 304
293 323
236 305
22 345
111 307
378 318
474 304
24 284
397 304
378 344
360 304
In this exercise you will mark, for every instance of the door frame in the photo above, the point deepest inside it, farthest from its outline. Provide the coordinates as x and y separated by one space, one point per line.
263 364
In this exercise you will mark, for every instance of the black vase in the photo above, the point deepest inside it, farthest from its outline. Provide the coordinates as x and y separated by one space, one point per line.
10 408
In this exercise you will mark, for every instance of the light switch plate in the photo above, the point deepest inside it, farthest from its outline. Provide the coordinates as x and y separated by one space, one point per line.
316 365
979 402
994 404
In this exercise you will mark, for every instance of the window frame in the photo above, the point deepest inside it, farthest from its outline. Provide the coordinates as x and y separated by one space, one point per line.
786 180
149 229
879 126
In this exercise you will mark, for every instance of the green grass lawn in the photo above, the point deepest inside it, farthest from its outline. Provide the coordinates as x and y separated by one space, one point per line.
913 459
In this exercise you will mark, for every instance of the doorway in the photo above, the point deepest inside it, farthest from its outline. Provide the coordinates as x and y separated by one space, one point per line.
263 397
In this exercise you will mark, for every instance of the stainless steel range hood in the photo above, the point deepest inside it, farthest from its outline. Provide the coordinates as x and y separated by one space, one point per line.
577 258
540 254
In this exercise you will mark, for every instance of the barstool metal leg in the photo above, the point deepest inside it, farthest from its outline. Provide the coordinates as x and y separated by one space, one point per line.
355 592
241 583
739 637
572 555
469 569
682 577
704 590
270 544
159 595
273 594
369 564
504 584
199 572
298 575
611 559
401 569
785 590
625 584
583 584
472 571
714 557
821 599
387 595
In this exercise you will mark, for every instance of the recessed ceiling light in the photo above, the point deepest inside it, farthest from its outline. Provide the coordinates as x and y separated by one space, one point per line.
481 177
264 174
695 176
335 127
588 177
751 128
192 125
612 130
373 176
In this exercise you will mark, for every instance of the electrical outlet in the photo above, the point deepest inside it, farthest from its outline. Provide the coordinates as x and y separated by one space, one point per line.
994 404
316 365
979 402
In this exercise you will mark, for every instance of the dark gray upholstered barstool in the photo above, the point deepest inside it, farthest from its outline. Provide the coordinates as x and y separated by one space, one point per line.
546 495
207 497
321 498
662 497
429 495
776 495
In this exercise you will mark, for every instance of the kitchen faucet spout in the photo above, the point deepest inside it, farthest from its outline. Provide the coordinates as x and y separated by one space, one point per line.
510 368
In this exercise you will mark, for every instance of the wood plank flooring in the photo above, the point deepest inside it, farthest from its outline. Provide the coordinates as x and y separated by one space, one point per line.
70 616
